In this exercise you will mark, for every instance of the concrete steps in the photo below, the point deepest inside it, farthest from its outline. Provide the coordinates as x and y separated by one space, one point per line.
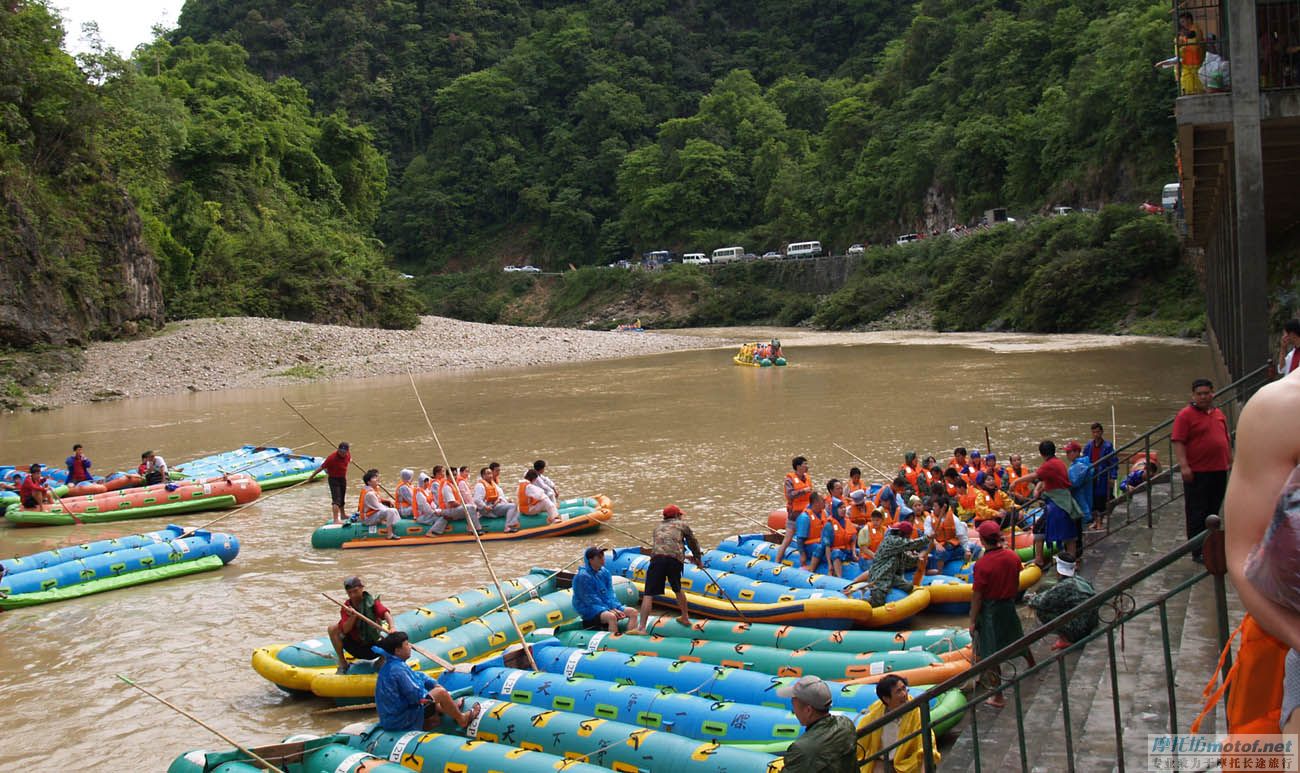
1143 693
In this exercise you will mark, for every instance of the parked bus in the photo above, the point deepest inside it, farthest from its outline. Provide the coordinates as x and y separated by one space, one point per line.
728 254
803 250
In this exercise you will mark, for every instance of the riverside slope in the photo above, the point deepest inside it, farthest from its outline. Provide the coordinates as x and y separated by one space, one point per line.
241 352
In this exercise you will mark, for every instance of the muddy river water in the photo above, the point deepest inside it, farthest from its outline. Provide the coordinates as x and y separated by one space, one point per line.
686 427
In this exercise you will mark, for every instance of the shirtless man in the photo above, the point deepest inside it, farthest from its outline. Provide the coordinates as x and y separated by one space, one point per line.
1268 450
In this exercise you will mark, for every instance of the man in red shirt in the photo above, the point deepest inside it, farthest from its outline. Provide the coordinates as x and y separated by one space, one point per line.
993 620
1059 522
33 492
1204 453
336 472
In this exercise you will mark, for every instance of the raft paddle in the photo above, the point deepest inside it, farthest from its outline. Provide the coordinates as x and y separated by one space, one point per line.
473 527
988 444
435 658
351 461
200 723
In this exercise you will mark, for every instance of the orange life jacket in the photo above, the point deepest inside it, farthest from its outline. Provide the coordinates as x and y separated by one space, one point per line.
877 534
802 491
845 537
861 514
993 504
1255 703
1191 49
446 501
419 495
1019 489
362 510
528 505
910 474
491 493
945 531
966 504
957 465
410 497
815 525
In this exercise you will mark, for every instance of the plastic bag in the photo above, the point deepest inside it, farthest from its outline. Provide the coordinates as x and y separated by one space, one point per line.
1215 73
1273 565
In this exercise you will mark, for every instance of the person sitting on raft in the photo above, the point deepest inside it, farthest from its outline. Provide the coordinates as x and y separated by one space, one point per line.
491 501
78 466
941 528
870 536
373 510
860 508
405 494
839 536
533 499
408 701
153 467
546 483
34 492
446 506
353 635
808 528
992 503
593 595
888 567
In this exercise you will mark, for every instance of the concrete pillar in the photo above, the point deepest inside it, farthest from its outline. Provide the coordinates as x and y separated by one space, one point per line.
1248 165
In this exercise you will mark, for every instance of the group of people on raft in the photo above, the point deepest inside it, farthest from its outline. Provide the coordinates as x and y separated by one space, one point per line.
439 497
757 352
35 492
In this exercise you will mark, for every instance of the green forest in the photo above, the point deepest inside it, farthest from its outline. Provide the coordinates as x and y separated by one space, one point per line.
289 158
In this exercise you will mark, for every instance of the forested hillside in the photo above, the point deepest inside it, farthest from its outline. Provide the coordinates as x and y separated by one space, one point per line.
580 132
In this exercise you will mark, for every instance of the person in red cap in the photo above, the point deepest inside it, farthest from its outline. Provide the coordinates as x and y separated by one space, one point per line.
993 620
667 557
890 568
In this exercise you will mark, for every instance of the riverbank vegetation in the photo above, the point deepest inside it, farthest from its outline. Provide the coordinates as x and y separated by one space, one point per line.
1117 271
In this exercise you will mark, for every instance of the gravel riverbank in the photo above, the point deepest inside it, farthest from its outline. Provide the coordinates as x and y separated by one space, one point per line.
237 352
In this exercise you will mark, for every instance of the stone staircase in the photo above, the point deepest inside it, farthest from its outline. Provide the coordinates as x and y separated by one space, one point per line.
1140 666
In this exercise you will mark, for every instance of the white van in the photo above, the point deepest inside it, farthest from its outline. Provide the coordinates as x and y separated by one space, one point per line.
695 259
803 250
907 239
728 254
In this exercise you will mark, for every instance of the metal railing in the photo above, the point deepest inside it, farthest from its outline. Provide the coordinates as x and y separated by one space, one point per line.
1279 34
1200 45
1115 597
1159 440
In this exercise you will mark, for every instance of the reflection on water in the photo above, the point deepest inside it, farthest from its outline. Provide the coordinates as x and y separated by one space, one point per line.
688 428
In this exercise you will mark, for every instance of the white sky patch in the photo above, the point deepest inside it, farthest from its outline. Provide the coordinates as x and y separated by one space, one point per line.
123 24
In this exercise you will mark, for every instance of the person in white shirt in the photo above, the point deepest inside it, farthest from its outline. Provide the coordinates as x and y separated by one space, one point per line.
491 501
1290 347
406 494
155 468
374 511
448 504
533 499
544 482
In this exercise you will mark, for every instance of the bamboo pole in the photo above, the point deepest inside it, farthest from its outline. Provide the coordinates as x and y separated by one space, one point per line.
435 658
756 522
200 723
340 709
473 529
862 461
517 596
351 461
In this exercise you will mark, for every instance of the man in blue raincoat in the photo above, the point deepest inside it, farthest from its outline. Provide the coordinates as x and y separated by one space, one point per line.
1105 469
407 700
593 595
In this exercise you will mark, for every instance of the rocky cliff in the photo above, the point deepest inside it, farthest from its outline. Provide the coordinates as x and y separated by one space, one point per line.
72 275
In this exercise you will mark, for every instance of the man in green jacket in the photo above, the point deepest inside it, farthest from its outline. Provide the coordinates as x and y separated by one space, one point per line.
1069 592
829 743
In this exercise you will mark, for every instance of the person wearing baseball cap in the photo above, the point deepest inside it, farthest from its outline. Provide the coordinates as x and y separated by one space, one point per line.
667 557
891 567
1080 470
353 635
829 741
995 584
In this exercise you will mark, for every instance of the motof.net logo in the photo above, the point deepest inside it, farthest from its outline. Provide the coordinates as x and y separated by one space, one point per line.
1221 752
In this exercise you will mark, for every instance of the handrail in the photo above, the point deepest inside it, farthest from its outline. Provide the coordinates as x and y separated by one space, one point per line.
1018 647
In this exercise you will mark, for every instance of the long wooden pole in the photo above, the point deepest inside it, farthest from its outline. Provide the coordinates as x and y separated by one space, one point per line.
1114 433
324 437
473 529
865 462
988 444
756 522
518 596
435 658
200 723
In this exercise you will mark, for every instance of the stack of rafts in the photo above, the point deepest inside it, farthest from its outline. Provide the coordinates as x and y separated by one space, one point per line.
160 500
703 697
270 466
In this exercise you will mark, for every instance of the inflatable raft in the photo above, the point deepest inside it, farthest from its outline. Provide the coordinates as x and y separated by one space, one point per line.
272 467
419 751
95 567
725 595
309 667
918 667
940 641
161 500
580 516
605 743
748 356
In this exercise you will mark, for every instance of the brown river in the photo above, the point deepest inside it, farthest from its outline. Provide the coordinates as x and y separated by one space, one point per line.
686 427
